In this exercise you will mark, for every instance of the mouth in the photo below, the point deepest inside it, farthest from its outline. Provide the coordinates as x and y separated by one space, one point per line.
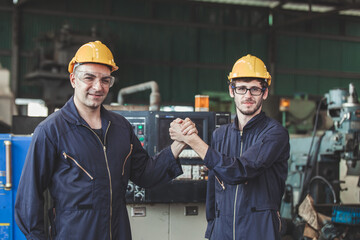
248 102
96 95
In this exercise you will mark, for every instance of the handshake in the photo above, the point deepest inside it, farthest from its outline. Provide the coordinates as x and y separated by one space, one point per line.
184 132
180 130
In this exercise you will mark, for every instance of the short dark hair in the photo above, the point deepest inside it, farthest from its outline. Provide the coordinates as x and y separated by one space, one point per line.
262 82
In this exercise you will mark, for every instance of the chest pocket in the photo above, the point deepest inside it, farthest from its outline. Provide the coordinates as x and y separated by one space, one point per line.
74 161
74 184
219 194
219 185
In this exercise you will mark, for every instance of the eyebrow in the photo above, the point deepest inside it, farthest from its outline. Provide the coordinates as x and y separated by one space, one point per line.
106 76
246 86
90 74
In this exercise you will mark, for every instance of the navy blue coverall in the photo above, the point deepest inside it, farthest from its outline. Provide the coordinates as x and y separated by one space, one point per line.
247 173
86 176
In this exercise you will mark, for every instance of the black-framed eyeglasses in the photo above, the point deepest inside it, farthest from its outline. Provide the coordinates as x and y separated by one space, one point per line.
254 91
90 78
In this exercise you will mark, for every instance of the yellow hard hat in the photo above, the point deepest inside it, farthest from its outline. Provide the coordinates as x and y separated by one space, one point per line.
250 66
93 52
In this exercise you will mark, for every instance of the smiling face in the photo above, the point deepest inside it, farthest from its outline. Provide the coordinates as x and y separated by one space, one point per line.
248 105
89 95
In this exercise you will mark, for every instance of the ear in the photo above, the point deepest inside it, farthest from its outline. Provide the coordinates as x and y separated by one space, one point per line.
266 93
72 79
231 91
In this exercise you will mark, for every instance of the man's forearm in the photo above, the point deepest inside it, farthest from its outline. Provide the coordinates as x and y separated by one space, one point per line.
177 147
197 144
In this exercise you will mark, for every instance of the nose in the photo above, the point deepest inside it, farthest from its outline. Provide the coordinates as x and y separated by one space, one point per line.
248 94
97 84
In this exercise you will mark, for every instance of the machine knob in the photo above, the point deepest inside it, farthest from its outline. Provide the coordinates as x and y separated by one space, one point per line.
139 196
137 189
129 188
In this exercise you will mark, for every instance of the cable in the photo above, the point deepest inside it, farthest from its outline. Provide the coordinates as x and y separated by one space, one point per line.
326 182
310 157
315 128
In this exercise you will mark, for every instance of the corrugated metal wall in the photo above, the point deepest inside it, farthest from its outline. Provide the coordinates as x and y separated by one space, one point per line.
317 56
187 47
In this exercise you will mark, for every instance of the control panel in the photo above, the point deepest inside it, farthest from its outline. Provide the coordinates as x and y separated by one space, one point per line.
134 193
139 125
152 130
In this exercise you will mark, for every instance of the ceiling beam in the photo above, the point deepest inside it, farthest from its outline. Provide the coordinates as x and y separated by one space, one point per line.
321 36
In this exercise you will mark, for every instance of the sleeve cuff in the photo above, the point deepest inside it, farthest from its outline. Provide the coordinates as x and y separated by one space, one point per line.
174 165
209 229
209 158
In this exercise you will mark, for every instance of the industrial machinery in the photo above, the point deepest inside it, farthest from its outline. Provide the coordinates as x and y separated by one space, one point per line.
13 151
52 56
314 162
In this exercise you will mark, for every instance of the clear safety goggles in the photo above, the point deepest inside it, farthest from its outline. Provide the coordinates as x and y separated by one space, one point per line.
90 78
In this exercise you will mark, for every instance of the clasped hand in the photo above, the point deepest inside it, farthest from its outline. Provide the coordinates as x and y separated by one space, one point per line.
181 129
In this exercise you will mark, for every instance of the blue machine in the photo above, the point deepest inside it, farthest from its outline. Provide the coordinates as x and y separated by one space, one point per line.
13 151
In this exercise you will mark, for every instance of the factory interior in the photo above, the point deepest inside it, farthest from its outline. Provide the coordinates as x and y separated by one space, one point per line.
174 59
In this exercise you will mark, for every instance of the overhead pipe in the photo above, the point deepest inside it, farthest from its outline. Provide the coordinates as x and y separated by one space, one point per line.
154 95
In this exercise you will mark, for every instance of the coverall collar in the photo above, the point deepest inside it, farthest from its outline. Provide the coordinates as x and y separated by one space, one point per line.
70 113
257 118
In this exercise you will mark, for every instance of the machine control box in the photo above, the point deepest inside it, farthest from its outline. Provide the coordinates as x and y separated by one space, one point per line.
139 127
152 130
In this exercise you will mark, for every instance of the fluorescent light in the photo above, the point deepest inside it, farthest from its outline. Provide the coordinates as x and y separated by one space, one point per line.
177 108
255 3
306 7
351 12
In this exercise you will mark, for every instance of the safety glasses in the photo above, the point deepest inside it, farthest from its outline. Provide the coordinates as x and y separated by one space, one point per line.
254 91
91 78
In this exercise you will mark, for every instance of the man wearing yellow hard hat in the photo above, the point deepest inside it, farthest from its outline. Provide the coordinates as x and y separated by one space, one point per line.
85 156
247 161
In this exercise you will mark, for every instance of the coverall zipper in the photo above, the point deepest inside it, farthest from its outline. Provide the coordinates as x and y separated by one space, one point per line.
107 166
279 217
83 169
237 189
131 148
220 182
